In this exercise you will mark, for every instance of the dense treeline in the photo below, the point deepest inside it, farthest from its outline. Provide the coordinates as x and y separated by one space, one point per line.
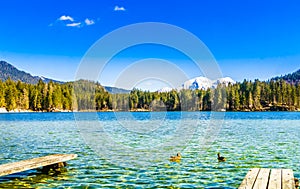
37 97
89 96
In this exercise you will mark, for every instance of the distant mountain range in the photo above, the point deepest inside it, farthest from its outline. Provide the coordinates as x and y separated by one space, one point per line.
293 78
9 71
205 83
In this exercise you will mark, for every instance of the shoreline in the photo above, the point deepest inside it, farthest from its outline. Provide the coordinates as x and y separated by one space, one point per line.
4 111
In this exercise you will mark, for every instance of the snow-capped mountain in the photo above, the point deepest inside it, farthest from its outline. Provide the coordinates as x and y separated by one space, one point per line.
197 83
201 83
205 83
224 80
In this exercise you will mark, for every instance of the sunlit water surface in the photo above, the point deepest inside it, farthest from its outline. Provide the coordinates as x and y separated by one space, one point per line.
255 139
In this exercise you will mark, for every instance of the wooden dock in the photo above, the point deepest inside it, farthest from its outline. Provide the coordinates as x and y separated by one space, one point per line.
262 178
55 160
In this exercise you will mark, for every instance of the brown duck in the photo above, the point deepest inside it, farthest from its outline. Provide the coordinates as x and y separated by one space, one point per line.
176 158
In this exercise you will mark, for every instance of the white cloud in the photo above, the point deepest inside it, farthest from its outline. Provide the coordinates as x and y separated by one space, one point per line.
117 8
89 21
69 21
64 17
74 24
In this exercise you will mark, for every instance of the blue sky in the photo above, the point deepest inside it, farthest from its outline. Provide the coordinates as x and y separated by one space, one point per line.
249 39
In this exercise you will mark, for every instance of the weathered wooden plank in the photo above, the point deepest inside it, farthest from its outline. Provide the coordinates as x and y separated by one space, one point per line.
275 179
250 178
272 179
288 181
262 179
34 163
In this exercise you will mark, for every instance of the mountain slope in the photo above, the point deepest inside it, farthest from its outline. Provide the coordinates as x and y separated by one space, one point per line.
9 71
293 78
114 90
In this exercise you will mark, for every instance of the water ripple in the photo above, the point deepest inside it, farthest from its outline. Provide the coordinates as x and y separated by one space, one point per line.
246 139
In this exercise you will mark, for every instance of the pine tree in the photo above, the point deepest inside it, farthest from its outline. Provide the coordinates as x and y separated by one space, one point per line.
237 99
219 99
57 97
25 99
257 95
2 94
10 95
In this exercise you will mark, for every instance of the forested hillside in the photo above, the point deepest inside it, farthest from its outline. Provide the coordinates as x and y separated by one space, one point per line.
293 78
9 71
89 96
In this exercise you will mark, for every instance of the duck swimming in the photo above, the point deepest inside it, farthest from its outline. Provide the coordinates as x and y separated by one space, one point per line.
176 158
296 183
221 158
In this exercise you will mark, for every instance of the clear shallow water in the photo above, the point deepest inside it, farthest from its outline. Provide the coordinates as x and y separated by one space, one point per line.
246 139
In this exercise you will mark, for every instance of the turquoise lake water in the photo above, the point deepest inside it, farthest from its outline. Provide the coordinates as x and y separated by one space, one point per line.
132 150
